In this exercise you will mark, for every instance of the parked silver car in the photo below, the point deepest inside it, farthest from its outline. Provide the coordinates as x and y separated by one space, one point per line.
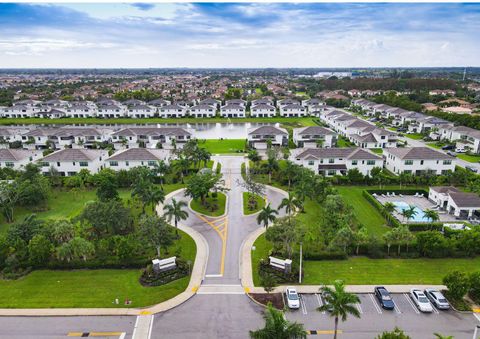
437 299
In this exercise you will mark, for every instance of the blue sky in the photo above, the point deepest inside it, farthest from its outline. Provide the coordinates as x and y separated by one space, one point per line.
239 35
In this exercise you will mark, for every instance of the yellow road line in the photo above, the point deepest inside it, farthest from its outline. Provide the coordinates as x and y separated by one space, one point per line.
222 233
94 334
476 310
324 331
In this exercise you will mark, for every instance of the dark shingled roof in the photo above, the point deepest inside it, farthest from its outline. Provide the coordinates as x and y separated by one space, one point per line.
462 199
268 130
417 153
314 130
140 154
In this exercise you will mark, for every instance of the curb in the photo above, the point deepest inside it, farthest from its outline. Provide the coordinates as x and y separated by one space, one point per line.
210 216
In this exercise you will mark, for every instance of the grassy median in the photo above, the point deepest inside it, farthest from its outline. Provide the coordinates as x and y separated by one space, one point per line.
260 203
213 206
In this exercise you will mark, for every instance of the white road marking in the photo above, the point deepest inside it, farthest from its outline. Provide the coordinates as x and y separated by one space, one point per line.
359 308
411 303
320 302
303 306
435 309
476 315
213 275
122 336
396 307
221 292
379 311
151 326
135 326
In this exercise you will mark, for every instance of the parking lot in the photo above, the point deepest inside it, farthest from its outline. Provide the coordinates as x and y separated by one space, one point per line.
374 319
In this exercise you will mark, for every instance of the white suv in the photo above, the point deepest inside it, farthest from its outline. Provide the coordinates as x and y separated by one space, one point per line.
293 301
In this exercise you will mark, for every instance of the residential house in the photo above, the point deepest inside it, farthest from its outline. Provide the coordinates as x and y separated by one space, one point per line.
263 111
141 111
293 110
204 110
314 136
134 157
17 158
417 161
259 137
172 111
111 111
69 161
461 204
232 111
150 137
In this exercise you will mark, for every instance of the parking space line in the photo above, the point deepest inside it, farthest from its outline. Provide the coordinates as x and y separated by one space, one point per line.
303 306
379 311
435 309
319 300
396 308
411 303
359 308
476 316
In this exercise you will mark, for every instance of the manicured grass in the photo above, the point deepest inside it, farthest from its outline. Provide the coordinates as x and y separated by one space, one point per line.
415 136
307 121
434 145
342 142
262 249
216 146
65 204
468 157
377 150
361 270
220 200
92 288
364 211
260 204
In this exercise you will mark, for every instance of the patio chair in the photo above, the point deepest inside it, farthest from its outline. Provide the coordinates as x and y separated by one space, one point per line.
393 194
400 195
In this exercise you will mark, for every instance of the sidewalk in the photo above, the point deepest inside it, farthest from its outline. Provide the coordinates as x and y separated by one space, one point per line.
196 278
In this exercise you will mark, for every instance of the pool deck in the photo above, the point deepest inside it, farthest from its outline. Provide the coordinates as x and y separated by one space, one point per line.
420 202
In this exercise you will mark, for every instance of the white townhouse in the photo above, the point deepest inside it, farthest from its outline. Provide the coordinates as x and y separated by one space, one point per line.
7 136
56 103
159 102
461 204
211 102
417 161
259 137
380 109
232 111
263 111
409 118
293 110
107 102
373 137
240 102
312 136
203 111
141 111
70 161
463 136
337 161
135 157
81 110
20 111
77 137
365 105
313 105
351 126
17 158
150 137
288 101
428 123
53 113
133 102
172 111
38 138
111 111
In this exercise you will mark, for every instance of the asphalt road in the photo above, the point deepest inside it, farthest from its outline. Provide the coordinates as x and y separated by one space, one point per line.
374 320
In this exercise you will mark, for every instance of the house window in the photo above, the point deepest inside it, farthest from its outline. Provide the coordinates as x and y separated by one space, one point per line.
332 172
8 164
45 164
151 163
370 162
113 163
408 162
447 162
310 163
354 162
83 164
407 171
331 161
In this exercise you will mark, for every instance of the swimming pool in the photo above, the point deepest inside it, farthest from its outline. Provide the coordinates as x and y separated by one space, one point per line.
419 217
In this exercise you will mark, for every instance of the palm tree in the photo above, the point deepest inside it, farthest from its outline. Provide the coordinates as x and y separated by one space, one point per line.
155 195
183 164
290 204
161 169
389 239
271 166
339 303
278 327
290 171
175 211
266 215
388 209
411 212
431 215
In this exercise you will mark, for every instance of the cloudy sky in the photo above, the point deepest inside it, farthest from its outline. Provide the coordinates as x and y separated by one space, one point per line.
239 35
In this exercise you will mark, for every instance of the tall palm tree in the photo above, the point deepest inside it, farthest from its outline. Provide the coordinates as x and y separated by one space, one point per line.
290 171
290 204
266 215
161 169
388 208
278 327
182 164
271 166
339 303
431 215
155 195
175 211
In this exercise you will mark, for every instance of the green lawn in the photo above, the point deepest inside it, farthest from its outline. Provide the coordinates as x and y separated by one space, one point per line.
358 271
216 146
65 204
377 150
197 206
434 145
468 157
415 136
307 121
342 142
92 288
365 212
260 203
262 249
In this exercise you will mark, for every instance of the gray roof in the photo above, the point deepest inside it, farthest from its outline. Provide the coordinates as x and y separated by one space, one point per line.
263 106
314 130
14 154
270 130
462 199
140 154
444 189
347 153
74 154
293 106
417 153
233 106
69 131
202 106
173 106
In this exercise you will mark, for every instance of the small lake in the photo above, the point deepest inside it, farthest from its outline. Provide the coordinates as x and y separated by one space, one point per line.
210 130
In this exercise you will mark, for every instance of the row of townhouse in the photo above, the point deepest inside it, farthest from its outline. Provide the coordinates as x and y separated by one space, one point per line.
360 132
68 162
464 137
408 160
305 137
88 137
109 108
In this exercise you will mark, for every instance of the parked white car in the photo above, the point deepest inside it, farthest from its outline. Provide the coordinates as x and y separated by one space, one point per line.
293 301
437 299
420 300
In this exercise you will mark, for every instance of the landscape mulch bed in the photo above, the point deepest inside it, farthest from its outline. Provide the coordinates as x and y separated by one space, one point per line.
264 298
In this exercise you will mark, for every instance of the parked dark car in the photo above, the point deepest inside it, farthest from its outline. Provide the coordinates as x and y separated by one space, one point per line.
384 298
452 154
448 147
401 129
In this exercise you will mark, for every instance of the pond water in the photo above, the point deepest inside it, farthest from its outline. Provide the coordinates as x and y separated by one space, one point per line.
224 130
